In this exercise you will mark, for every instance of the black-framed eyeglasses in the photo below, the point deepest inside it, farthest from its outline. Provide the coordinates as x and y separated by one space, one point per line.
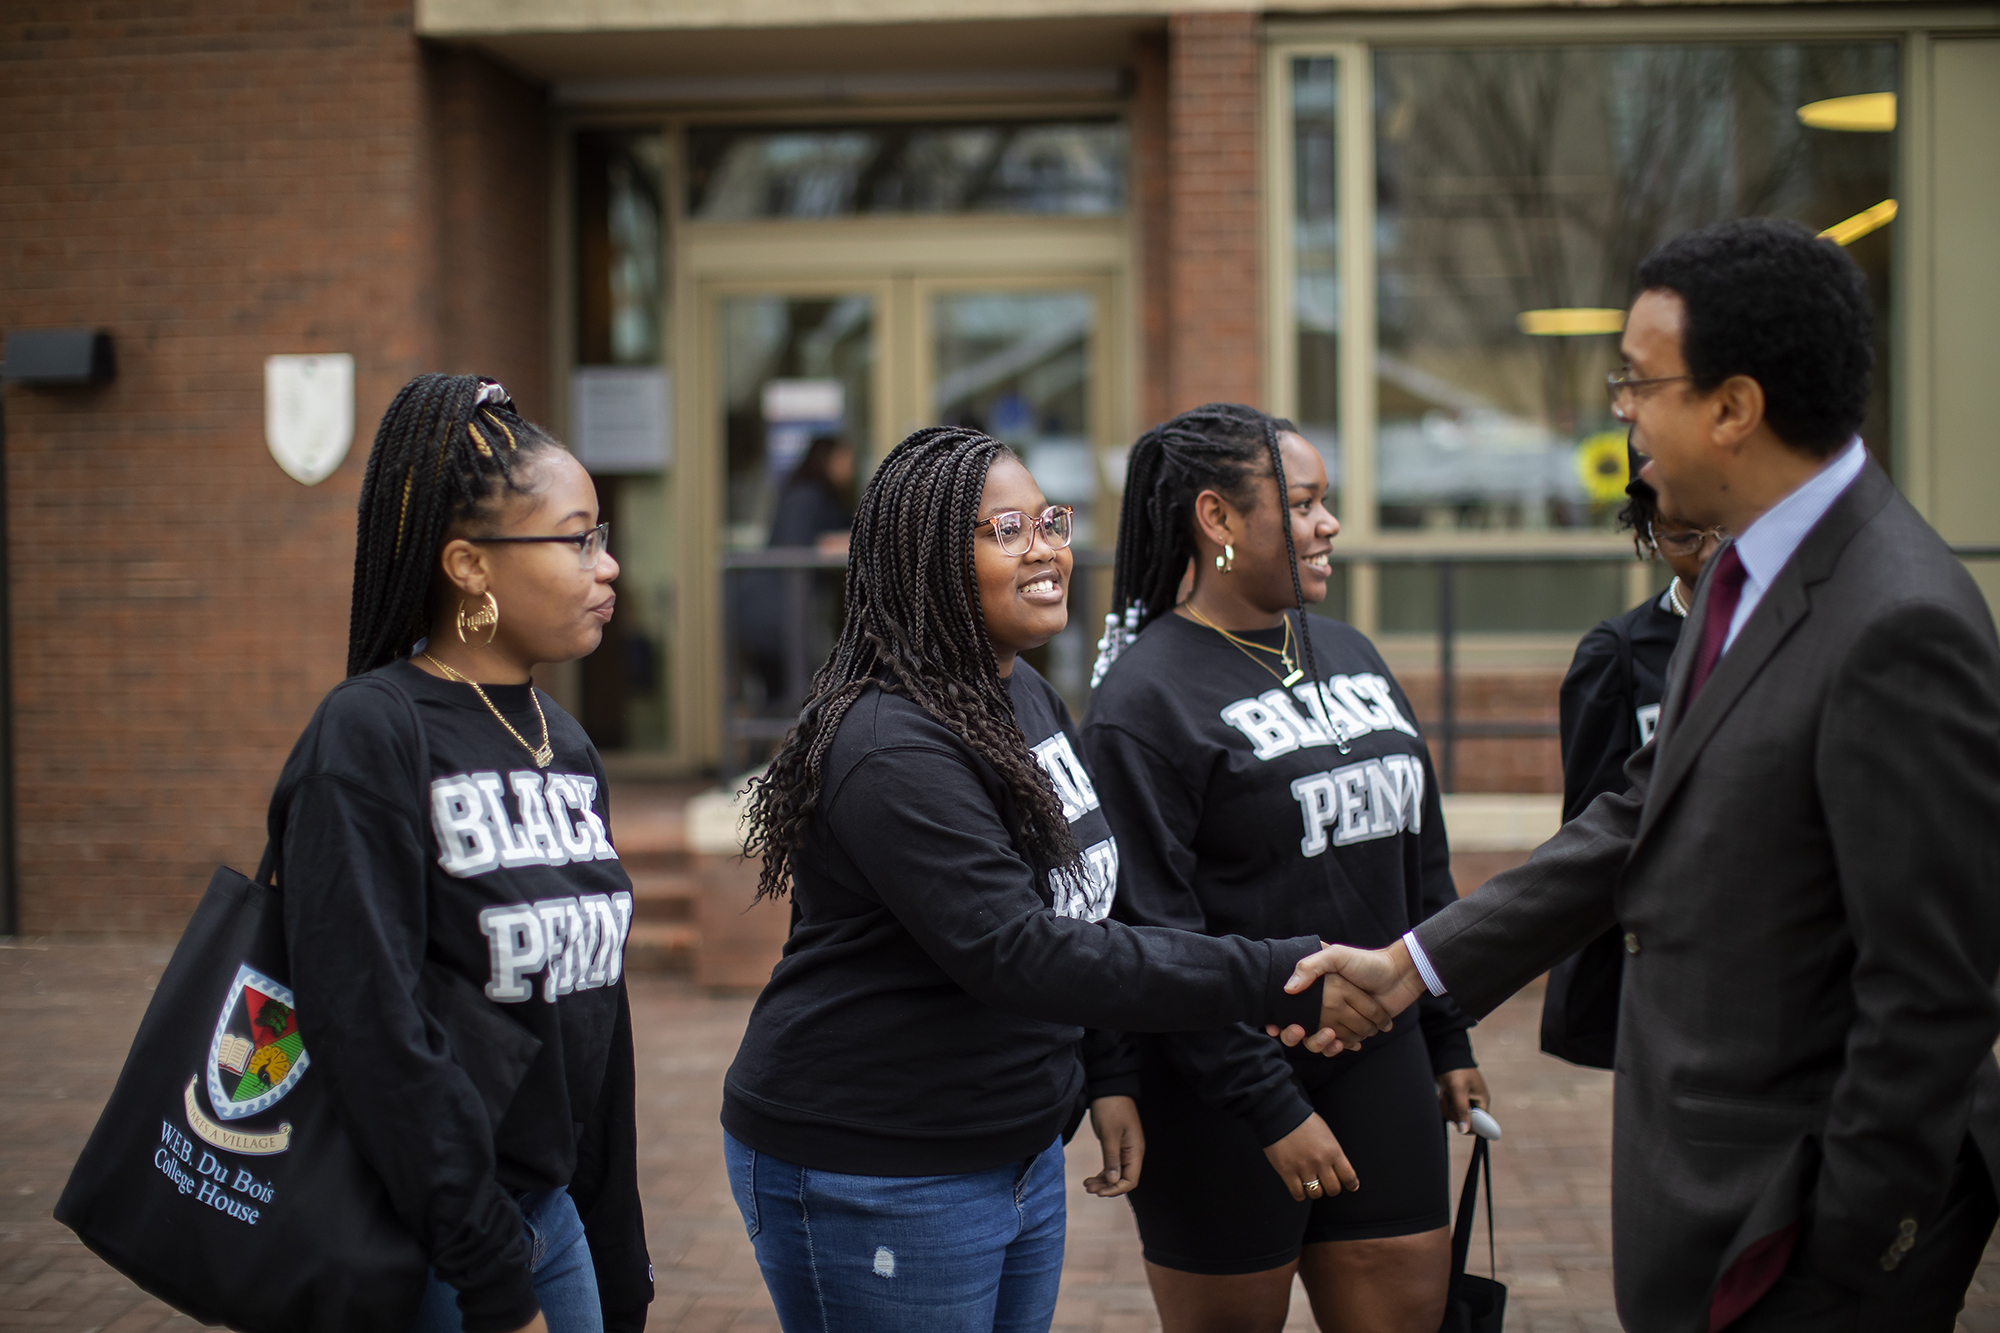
1015 531
1683 541
1621 384
589 544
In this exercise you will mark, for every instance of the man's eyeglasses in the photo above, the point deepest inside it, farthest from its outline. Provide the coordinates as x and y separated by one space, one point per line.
589 545
1682 541
1621 385
1015 531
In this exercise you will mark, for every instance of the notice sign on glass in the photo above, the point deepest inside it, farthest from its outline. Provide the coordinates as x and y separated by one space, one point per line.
621 419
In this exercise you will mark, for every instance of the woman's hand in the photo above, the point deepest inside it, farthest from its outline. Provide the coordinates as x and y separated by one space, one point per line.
1123 1139
536 1325
1459 1090
1310 1162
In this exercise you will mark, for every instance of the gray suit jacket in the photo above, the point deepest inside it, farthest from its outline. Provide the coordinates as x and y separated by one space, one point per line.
1808 869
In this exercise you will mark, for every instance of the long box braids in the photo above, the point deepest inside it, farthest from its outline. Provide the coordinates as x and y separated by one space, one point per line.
914 629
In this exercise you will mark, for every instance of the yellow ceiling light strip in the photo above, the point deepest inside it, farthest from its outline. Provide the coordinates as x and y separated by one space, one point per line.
1867 220
1571 322
1864 113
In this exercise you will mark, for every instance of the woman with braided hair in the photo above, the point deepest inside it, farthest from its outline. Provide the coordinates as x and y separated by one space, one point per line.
454 910
895 1116
1262 773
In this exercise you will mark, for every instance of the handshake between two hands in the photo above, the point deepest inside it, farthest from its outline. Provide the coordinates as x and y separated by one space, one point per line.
1365 990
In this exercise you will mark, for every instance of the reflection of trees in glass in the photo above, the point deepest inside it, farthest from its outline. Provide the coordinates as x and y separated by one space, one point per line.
1537 179
737 172
620 288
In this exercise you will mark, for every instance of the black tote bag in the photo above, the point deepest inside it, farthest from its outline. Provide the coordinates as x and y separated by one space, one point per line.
220 1178
1476 1304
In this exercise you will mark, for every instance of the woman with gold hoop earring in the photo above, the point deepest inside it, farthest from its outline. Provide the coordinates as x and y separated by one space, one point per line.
1263 774
455 911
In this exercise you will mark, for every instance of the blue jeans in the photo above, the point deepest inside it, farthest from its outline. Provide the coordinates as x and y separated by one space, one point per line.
979 1253
565 1281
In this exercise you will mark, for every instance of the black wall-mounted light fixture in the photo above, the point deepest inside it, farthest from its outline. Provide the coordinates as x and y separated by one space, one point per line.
53 357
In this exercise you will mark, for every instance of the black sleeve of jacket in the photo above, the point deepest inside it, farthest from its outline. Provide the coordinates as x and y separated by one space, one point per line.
1238 1070
1909 773
1110 1065
1444 1024
1523 921
914 819
352 871
1595 708
606 1188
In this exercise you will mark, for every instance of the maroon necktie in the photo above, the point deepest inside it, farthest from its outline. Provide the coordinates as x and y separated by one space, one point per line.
1724 592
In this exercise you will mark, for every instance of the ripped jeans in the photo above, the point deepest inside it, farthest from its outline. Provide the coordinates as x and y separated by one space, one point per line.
978 1253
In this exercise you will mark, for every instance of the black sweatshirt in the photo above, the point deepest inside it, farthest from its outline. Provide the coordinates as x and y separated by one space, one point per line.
457 946
1229 795
925 1017
1611 699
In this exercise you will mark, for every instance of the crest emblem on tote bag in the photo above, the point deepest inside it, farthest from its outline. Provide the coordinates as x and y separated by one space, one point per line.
256 1057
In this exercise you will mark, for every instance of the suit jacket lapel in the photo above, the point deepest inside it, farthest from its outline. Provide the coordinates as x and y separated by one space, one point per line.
1684 728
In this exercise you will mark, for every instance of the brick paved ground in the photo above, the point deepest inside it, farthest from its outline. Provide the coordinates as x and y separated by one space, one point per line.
67 1012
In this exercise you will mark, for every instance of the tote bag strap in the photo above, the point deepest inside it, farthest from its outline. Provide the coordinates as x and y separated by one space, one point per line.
267 865
1468 1200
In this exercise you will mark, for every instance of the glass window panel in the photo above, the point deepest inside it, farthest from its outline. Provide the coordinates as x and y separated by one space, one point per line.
1515 180
794 369
796 392
1518 597
621 289
1316 274
1017 365
620 318
737 173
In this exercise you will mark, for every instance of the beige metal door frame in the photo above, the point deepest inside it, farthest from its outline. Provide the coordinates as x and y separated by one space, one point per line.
900 263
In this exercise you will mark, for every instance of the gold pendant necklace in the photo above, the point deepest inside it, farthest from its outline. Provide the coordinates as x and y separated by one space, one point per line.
544 755
1292 674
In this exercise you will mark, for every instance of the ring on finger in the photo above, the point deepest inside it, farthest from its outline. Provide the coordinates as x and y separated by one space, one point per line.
1314 1189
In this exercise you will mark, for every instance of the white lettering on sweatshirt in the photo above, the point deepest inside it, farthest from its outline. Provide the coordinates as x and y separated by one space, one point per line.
477 833
575 943
1345 707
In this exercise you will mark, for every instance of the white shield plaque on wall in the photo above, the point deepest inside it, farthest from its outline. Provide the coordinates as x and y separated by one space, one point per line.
309 412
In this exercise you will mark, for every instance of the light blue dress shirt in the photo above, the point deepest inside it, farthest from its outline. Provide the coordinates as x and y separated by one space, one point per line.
1763 547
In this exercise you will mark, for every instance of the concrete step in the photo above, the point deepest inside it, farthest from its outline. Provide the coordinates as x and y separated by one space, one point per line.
664 896
662 946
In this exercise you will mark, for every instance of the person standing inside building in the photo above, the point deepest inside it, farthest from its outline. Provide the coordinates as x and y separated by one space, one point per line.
816 509
1609 707
454 909
1808 1108
894 1117
1264 775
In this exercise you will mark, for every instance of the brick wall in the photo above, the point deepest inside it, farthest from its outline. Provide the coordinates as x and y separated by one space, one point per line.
214 185
1217 280
1152 203
489 156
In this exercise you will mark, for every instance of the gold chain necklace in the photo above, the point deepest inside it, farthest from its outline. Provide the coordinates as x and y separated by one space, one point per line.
1284 655
545 755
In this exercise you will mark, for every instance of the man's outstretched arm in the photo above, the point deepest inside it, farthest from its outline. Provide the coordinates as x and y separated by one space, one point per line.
1510 930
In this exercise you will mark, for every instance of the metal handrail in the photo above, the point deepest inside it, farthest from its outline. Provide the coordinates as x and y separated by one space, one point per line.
801 562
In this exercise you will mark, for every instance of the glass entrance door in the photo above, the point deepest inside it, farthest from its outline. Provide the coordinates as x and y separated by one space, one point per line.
1025 363
804 387
795 394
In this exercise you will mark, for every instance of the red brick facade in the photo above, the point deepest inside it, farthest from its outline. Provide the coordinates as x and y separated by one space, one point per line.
232 181
1216 283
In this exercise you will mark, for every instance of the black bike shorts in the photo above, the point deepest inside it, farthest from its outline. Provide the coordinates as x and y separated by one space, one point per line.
1209 1202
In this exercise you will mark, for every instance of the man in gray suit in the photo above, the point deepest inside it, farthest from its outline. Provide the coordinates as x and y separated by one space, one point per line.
1807 865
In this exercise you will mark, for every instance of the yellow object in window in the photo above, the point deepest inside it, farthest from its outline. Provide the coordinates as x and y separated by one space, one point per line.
1600 466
